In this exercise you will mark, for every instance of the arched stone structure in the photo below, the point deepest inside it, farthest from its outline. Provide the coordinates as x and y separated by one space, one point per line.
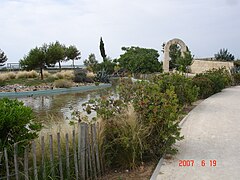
166 52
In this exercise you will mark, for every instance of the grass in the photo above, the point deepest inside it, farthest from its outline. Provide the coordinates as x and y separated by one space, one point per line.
63 83
30 81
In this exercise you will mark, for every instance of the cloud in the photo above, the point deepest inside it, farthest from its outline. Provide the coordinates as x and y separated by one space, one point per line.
205 25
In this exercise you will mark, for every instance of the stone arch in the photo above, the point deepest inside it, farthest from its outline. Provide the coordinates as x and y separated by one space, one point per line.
166 52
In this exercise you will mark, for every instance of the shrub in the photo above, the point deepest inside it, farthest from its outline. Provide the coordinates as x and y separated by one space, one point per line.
184 88
68 74
27 74
16 124
7 76
46 74
220 78
32 74
11 75
141 123
205 86
80 76
236 78
63 83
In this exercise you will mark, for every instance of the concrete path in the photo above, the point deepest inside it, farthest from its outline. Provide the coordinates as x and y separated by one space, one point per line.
212 134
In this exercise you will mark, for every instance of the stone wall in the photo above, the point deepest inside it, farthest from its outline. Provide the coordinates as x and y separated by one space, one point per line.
202 65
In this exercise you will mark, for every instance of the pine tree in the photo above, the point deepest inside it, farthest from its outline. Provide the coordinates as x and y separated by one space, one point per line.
3 58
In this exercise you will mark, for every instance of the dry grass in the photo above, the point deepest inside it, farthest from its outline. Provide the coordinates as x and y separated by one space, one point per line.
7 76
46 74
63 83
68 74
26 74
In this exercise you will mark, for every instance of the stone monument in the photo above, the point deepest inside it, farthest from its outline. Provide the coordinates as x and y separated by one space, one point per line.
166 52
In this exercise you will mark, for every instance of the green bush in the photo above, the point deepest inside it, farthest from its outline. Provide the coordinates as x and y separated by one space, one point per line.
236 78
205 86
218 79
184 88
16 124
141 123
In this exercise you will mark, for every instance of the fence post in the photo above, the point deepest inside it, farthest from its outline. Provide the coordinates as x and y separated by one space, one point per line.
59 156
75 155
96 149
34 160
51 155
93 153
43 157
83 149
6 162
67 156
26 163
16 161
79 148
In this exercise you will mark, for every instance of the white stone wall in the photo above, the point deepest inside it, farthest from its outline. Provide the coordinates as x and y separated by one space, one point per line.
199 66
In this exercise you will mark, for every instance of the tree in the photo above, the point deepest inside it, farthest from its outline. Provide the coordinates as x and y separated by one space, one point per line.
140 60
72 53
36 58
3 58
184 61
174 54
107 66
91 63
102 49
224 55
56 53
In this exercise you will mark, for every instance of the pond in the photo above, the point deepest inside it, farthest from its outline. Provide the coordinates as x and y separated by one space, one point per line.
57 109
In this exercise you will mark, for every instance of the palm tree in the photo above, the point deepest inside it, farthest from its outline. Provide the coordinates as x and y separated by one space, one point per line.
224 55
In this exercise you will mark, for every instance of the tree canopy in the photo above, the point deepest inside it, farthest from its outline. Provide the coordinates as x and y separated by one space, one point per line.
36 58
140 60
3 58
49 55
91 63
224 55
72 53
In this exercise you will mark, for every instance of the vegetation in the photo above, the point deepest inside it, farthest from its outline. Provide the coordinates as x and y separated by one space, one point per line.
174 54
17 124
91 63
224 55
36 58
3 58
236 77
102 49
211 82
73 54
140 60
63 83
56 53
184 61
184 88
48 55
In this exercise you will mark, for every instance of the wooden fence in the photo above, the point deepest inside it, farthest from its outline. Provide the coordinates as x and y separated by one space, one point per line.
74 156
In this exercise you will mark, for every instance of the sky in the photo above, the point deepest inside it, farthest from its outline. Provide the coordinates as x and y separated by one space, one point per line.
205 26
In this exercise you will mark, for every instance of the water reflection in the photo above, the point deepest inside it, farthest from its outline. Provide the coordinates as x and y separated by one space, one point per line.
62 105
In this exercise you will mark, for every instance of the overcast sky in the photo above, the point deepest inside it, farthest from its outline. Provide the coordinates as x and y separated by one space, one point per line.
204 25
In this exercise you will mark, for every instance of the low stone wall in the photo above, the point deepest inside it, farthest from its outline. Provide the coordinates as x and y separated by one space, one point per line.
199 66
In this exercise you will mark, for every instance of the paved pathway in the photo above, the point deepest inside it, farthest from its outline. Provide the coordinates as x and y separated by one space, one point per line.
212 133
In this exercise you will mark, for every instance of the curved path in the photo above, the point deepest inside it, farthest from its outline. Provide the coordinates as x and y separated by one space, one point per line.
212 133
